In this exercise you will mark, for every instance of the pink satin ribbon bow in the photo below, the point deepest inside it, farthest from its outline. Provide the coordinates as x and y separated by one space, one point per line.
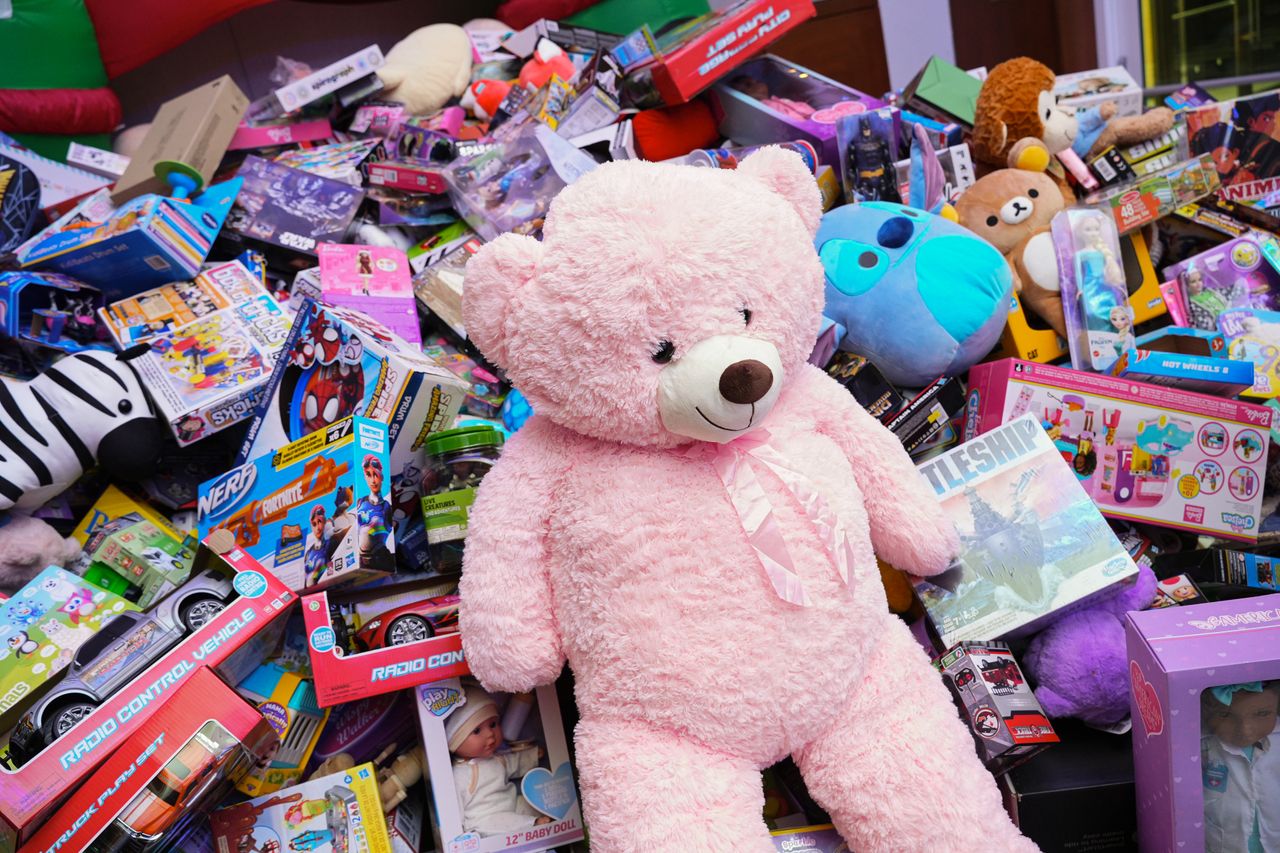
732 462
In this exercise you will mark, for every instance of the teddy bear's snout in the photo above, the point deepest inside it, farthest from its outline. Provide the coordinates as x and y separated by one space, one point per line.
745 381
1017 209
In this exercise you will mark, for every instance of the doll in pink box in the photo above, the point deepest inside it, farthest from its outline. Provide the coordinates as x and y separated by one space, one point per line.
1240 764
689 521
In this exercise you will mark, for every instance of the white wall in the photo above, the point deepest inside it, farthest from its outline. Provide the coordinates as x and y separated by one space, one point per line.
915 30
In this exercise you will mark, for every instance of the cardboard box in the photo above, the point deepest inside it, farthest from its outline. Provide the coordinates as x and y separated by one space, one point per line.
288 701
1144 452
1156 195
348 162
1084 89
286 507
149 559
193 129
194 746
750 121
340 354
373 280
407 176
548 788
928 414
97 160
49 309
114 503
332 77
1222 566
227 642
1188 359
943 92
344 673
1177 655
274 135
1237 133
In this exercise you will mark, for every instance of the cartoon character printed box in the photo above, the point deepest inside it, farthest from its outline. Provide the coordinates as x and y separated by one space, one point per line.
1204 692
179 763
365 642
232 641
313 512
338 362
371 279
499 766
1143 452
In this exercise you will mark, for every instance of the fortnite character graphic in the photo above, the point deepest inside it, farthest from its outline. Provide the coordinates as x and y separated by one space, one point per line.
373 512
872 165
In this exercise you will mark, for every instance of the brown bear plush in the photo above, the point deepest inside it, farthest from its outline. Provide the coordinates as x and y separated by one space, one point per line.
1011 209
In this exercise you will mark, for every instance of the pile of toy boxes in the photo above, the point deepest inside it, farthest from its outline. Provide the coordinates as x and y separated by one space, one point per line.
287 276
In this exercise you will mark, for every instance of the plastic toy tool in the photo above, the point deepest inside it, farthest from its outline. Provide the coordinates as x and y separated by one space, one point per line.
183 180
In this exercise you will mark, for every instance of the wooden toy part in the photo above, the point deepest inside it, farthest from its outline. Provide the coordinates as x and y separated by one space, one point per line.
333 764
404 772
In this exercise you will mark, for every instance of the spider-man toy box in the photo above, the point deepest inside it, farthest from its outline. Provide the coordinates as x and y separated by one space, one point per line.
339 362
314 511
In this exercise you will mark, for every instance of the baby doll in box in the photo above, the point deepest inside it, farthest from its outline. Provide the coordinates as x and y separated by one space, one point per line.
689 520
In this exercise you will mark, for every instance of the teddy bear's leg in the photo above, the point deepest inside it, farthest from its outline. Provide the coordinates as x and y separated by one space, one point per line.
649 791
897 770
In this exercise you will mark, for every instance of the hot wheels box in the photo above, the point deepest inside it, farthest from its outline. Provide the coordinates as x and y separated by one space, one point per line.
1204 696
340 812
313 512
1189 359
206 375
369 642
512 792
180 761
1142 452
155 312
230 641
337 363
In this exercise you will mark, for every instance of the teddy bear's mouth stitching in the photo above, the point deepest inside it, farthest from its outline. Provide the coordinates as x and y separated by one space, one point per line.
725 428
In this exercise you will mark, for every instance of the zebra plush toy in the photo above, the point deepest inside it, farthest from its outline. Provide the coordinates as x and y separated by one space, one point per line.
87 408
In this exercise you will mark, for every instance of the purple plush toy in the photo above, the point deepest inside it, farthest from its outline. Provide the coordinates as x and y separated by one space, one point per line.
1079 662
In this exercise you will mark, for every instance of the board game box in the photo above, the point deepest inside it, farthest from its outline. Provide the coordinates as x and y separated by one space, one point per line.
1033 544
373 280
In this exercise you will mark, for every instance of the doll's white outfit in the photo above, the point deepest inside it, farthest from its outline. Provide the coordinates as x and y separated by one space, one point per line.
1241 795
488 799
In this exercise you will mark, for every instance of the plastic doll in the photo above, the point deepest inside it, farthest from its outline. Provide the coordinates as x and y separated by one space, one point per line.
1240 765
373 512
316 554
1089 236
488 799
758 89
1123 324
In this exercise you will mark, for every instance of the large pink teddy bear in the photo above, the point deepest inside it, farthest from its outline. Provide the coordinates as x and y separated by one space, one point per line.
675 519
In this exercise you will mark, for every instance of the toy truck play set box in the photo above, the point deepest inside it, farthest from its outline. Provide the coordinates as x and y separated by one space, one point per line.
178 764
313 512
233 642
1143 452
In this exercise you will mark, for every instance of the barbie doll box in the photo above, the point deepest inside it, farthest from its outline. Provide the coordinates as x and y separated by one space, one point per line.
1142 452
1206 749
499 767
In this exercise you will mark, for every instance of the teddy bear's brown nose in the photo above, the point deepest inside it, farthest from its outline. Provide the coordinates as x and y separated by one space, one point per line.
745 381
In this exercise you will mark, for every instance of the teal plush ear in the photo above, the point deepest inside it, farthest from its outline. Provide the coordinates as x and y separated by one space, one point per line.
493 276
785 173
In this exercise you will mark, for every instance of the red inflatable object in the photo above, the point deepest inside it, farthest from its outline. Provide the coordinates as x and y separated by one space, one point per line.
131 33
65 111
519 14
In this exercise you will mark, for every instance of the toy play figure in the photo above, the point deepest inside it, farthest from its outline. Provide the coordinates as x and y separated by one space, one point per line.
670 382
871 161
372 512
1240 763
487 796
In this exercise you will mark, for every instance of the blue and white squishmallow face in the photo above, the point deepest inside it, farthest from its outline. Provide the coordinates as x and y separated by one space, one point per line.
918 295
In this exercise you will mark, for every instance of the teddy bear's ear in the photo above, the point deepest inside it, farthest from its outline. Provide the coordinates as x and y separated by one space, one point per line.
496 272
785 173
1029 154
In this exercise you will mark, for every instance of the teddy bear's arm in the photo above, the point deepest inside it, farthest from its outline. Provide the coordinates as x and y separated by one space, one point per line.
908 527
509 630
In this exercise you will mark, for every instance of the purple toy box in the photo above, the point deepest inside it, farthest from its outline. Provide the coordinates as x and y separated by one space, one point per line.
1206 748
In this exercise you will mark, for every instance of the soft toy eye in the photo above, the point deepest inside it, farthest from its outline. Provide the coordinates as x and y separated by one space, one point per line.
1047 114
1033 193
746 316
665 352
125 407
992 221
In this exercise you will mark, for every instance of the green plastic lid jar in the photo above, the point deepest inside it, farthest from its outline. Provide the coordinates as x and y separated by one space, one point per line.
457 460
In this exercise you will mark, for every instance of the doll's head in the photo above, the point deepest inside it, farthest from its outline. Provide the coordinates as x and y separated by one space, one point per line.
372 468
474 730
1120 319
317 520
750 86
1240 715
1089 230
1194 280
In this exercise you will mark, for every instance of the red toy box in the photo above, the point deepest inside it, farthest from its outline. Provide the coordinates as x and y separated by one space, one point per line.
30 792
199 741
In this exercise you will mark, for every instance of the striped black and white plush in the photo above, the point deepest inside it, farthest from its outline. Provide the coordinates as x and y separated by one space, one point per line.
88 407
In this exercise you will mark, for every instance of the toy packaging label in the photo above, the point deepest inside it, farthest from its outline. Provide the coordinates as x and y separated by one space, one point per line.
338 812
25 793
1093 88
1224 377
176 766
154 312
1143 452
1239 273
371 279
42 625
809 839
531 768
410 177
1032 542
329 79
211 373
1239 136
1157 194
1253 336
291 208
314 511
50 310
1006 720
272 135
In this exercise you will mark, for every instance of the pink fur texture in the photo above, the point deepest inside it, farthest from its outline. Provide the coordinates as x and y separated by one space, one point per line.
596 539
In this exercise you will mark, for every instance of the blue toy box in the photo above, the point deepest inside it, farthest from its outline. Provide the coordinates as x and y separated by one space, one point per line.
314 512
145 242
51 310
1190 359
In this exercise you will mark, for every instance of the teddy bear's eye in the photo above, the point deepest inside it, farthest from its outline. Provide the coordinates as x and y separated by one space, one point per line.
746 316
665 352
1033 193
991 220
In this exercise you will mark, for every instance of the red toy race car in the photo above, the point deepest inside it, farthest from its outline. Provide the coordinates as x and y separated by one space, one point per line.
409 623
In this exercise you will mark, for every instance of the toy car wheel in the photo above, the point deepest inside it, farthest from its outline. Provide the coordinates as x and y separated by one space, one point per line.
196 612
62 719
409 629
